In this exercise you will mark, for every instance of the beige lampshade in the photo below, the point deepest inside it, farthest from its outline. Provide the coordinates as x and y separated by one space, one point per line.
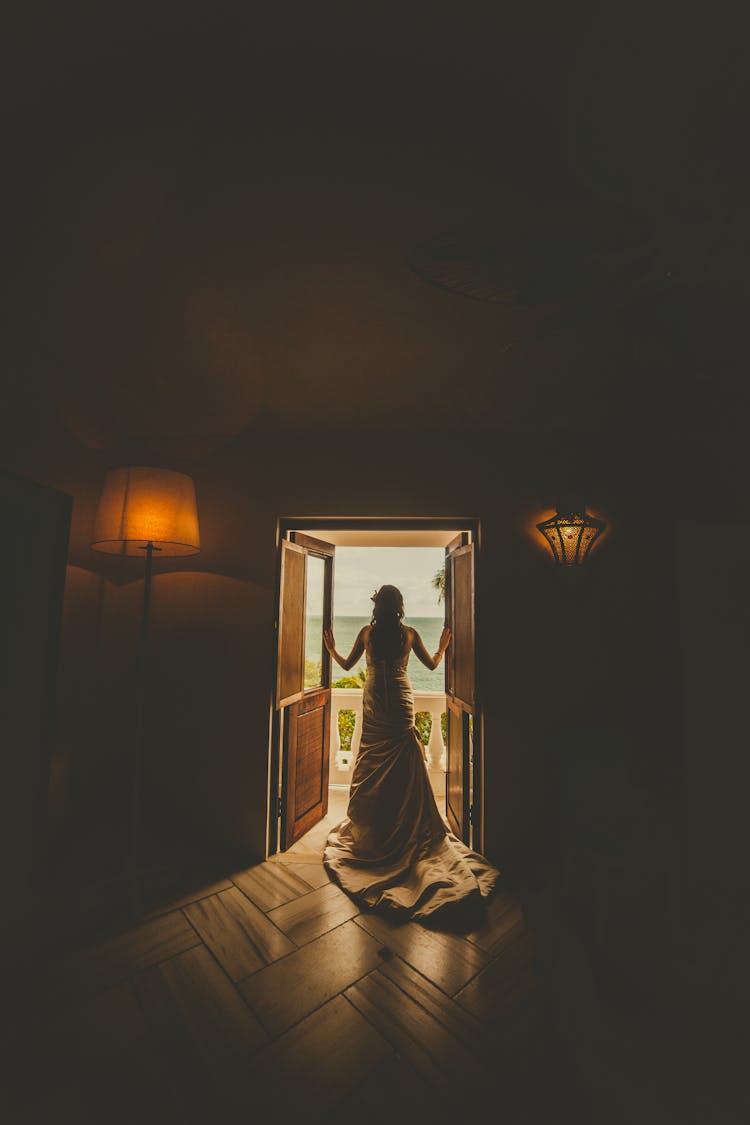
142 505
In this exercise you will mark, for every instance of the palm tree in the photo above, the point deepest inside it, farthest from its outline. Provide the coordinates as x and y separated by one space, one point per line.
438 583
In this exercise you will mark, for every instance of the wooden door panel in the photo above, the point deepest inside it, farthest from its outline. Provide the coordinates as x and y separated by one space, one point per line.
308 789
460 540
457 770
300 733
459 682
306 764
461 563
291 649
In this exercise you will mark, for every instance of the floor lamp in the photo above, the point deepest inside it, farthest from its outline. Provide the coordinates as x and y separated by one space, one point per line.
141 512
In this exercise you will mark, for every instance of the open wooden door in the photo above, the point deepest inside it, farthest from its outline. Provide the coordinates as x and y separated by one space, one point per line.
459 683
303 686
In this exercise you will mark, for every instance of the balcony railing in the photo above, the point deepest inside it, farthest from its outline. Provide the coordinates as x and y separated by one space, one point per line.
343 758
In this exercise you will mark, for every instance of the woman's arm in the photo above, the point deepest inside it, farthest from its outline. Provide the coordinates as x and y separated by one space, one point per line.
431 662
357 648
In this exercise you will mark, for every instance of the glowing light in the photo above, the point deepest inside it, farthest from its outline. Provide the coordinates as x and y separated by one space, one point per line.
140 505
571 533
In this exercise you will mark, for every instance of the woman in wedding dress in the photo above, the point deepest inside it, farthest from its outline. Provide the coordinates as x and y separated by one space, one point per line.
394 850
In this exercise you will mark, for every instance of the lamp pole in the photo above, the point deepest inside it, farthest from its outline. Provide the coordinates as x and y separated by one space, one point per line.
142 677
143 508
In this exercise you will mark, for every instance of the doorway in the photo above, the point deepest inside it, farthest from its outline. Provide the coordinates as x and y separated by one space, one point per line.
310 757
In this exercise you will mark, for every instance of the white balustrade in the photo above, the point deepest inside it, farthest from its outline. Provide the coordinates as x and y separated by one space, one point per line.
350 699
344 699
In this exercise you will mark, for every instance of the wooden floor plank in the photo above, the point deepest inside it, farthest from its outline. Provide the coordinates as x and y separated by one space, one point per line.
116 958
306 1071
461 1024
504 917
505 995
192 896
237 932
479 1038
113 1019
414 1033
312 871
298 994
270 884
306 918
393 1092
447 960
190 997
106 1024
289 990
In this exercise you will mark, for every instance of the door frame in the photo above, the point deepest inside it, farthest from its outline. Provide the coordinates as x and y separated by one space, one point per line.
287 524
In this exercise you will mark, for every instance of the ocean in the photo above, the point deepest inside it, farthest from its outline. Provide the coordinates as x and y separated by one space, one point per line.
345 630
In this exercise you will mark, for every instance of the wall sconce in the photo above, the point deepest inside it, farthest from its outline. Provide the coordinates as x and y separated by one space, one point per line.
571 533
143 510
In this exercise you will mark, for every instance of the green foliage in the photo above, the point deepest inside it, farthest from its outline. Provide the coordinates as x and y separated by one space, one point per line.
351 681
438 584
347 682
423 723
346 729
346 718
313 673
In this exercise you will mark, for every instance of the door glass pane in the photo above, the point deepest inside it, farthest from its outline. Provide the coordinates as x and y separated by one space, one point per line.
314 621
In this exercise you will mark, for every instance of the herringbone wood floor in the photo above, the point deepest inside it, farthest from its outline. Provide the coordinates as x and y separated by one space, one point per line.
268 995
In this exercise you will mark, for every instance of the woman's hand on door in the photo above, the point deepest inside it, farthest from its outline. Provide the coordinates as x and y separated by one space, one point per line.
329 641
445 639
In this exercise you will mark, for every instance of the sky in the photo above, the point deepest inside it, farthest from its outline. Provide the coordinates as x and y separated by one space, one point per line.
360 570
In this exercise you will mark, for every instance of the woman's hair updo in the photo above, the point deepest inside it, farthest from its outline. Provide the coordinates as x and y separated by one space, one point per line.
387 636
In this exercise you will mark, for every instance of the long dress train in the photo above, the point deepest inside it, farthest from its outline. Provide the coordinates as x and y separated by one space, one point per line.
393 849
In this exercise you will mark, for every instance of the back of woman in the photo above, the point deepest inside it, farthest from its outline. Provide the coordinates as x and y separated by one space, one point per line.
394 849
387 639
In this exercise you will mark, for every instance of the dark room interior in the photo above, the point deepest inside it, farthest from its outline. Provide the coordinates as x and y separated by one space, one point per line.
394 263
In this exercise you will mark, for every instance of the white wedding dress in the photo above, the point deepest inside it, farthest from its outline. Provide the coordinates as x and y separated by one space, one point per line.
394 850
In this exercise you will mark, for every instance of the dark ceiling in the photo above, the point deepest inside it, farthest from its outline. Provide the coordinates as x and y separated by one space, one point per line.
222 220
